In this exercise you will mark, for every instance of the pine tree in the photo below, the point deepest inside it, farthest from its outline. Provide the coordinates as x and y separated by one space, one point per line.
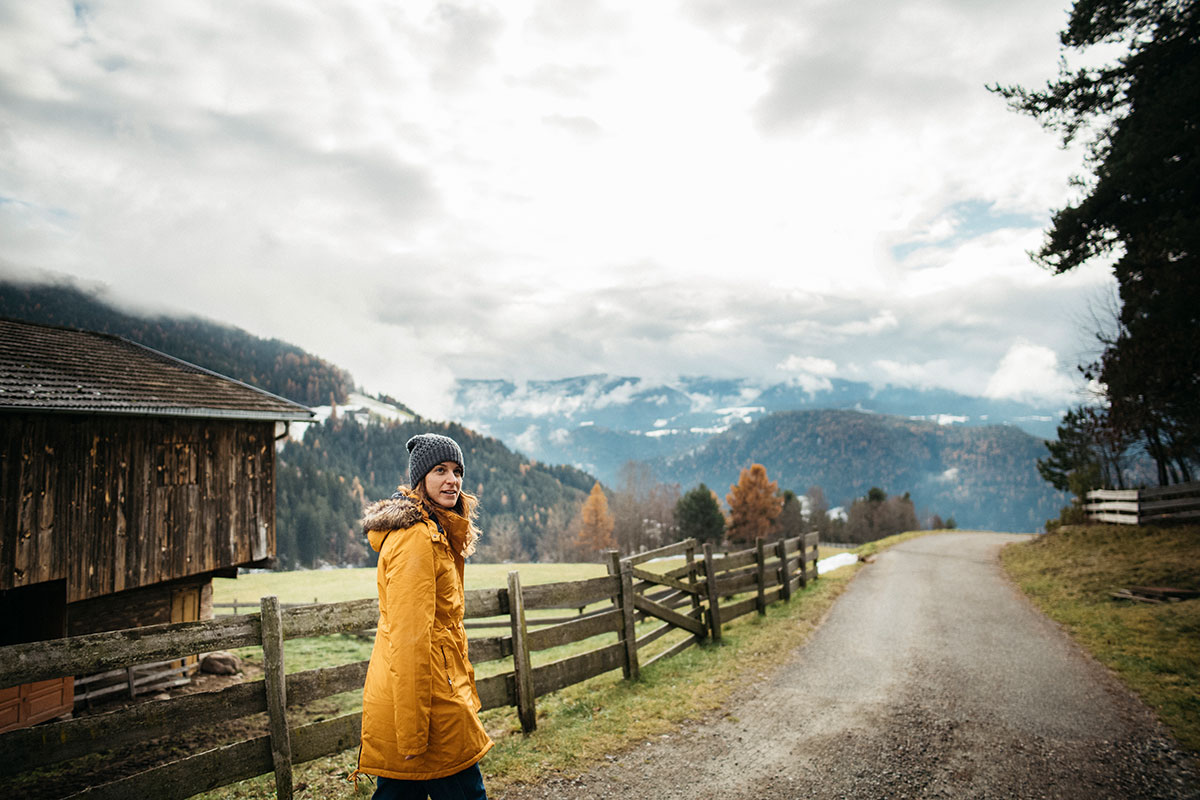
596 524
754 504
698 515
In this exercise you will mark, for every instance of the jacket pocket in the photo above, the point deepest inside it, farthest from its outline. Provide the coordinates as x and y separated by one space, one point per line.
446 664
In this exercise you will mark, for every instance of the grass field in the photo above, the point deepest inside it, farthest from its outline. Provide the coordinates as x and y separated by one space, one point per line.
1155 649
339 585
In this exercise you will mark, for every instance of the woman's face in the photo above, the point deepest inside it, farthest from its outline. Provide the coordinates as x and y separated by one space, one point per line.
443 484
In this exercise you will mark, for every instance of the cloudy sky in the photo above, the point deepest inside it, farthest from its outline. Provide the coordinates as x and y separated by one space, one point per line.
420 191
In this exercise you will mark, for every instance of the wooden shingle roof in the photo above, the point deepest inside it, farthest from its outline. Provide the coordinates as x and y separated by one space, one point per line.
45 368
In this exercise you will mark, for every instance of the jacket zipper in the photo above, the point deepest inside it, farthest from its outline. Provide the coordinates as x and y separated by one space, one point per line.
447 665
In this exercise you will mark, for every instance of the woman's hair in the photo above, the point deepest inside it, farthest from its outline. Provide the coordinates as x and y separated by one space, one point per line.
467 506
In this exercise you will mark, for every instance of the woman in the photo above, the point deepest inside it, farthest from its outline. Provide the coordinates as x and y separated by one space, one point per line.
421 733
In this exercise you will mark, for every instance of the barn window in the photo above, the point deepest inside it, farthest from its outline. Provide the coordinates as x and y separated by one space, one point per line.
175 463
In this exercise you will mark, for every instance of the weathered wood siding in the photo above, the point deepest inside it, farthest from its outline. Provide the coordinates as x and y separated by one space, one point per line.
113 503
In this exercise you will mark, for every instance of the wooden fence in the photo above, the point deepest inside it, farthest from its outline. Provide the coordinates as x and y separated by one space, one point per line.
1140 506
700 596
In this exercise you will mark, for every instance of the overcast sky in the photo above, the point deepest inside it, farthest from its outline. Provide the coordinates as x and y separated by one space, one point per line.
422 191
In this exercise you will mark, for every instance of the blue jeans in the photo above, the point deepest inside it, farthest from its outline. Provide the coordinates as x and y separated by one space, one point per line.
465 785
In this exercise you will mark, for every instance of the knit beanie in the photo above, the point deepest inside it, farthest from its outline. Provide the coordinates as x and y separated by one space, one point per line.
426 451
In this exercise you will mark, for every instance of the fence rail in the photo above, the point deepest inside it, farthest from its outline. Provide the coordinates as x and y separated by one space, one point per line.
708 591
1180 501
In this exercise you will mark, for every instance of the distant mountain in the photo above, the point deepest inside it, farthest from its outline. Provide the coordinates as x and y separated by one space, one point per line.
984 477
268 364
598 422
355 451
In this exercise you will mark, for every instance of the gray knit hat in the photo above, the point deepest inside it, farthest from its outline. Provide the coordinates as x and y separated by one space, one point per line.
426 451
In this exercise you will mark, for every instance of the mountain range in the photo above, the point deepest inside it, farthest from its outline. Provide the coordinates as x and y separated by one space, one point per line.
968 457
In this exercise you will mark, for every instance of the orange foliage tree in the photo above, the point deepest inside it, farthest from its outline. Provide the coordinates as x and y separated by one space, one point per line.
754 503
595 524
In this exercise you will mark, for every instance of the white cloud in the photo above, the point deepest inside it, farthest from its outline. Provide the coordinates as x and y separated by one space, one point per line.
528 189
1030 371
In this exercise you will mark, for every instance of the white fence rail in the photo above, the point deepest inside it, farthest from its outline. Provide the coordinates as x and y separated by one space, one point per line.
1139 506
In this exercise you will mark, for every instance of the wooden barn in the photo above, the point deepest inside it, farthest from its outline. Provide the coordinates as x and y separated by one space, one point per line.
128 479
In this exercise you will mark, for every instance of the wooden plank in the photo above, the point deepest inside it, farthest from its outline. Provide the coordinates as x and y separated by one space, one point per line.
29 748
497 690
783 572
655 634
1113 494
1131 507
327 737
568 671
1119 519
1146 507
526 708
673 650
734 560
626 601
676 549
276 680
736 585
489 648
314 684
771 596
575 630
811 540
573 594
98 652
322 620
190 776
710 581
1191 488
485 603
668 615
663 580
760 573
735 610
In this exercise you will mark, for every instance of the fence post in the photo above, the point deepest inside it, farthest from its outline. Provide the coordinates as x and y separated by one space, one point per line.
761 557
522 669
803 560
816 558
710 580
276 683
628 629
785 576
690 554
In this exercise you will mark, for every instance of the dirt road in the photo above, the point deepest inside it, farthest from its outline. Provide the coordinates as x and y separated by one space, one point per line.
931 677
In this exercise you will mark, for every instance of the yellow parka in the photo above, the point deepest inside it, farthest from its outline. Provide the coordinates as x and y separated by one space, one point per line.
420 707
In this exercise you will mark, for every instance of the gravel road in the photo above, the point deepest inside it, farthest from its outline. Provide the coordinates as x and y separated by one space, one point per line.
931 677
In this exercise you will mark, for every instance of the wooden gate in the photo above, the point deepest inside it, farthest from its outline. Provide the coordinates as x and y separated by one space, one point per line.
661 594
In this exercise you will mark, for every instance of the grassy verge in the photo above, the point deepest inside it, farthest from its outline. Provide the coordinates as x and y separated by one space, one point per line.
1155 649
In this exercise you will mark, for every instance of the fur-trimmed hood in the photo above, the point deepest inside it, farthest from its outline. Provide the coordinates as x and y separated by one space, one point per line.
402 511
396 513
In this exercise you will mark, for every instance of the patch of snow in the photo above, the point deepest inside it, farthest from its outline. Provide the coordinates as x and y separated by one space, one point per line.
834 562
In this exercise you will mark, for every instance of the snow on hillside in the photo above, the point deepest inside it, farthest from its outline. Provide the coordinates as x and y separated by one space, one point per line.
358 407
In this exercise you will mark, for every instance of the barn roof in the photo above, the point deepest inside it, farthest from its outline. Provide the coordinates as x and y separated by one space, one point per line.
46 368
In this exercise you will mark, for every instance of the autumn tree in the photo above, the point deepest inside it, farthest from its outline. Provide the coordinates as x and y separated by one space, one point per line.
595 525
698 515
754 503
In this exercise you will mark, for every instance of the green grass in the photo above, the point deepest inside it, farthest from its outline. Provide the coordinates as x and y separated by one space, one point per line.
340 585
1155 649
